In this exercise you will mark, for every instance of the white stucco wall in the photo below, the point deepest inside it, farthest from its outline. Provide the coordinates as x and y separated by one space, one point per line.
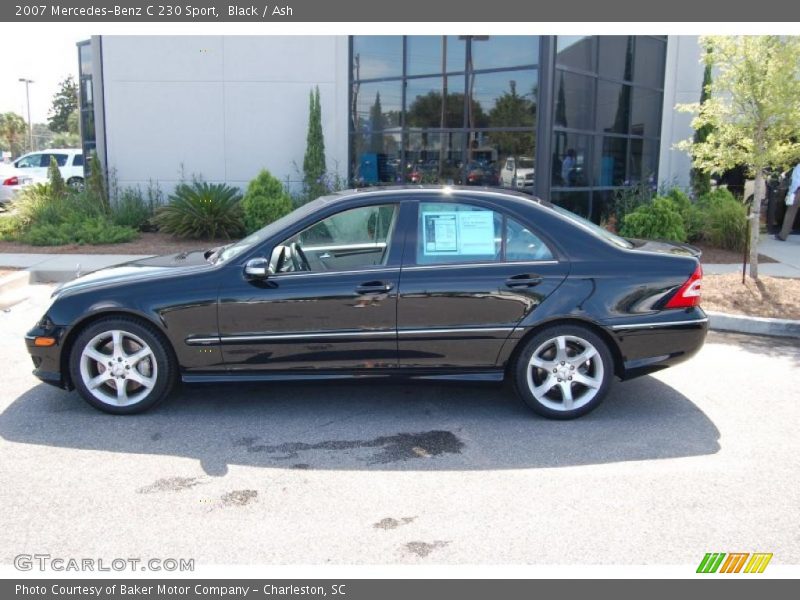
222 107
683 82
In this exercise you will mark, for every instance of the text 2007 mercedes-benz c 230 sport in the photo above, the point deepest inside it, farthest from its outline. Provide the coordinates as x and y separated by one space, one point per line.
428 283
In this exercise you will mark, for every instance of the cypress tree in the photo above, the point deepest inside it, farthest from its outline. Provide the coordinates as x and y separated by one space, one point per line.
314 168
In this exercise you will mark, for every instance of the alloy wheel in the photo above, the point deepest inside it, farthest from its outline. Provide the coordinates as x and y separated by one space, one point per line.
565 373
118 368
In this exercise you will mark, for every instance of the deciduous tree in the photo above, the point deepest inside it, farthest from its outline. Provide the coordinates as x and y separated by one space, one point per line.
753 113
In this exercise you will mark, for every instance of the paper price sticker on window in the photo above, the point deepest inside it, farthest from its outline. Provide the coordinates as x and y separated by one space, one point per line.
459 233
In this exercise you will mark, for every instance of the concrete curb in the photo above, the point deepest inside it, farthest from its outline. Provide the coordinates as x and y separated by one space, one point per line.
14 288
753 325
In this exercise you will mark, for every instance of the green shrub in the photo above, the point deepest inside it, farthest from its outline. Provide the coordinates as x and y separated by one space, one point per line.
716 197
691 214
658 220
10 226
36 205
131 210
628 199
264 201
726 224
202 210
83 230
58 189
96 182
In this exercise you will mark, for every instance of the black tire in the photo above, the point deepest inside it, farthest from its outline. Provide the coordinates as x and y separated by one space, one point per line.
75 183
158 368
548 405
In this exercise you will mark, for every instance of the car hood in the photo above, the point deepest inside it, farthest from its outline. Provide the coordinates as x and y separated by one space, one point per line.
137 270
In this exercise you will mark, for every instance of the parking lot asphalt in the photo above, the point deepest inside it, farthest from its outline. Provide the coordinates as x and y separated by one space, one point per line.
701 458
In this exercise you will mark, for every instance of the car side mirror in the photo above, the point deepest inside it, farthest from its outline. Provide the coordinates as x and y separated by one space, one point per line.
257 268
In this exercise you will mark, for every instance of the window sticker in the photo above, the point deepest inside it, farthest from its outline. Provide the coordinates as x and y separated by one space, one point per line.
458 233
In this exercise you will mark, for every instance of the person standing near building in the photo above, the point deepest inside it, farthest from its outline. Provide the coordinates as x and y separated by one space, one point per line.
566 167
792 204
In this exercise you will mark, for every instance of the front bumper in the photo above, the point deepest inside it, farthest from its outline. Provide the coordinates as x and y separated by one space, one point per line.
47 359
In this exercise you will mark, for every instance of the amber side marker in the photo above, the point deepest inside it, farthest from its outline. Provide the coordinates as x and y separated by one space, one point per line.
44 341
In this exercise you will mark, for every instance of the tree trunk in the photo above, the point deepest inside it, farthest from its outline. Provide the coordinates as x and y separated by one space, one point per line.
755 222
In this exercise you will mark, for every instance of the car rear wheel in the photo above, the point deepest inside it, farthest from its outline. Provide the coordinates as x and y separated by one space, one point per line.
564 372
75 183
121 366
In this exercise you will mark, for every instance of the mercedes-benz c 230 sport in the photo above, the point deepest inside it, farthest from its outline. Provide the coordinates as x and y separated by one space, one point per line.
433 283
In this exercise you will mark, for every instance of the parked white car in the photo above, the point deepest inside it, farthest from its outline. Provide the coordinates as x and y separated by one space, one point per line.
35 164
32 168
517 172
12 181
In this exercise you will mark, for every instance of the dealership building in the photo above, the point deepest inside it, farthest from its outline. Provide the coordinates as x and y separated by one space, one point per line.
570 118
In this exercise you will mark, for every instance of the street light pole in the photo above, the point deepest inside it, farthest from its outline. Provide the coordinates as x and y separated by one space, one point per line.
27 83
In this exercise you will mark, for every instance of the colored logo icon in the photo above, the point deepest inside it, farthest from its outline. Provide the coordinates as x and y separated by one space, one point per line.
734 562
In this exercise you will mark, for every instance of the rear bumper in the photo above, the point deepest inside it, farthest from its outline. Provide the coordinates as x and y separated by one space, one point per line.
646 347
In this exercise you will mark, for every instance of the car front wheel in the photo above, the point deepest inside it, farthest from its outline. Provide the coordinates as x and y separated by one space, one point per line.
564 372
121 366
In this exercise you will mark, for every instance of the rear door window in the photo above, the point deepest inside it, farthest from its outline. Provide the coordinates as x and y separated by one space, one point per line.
450 233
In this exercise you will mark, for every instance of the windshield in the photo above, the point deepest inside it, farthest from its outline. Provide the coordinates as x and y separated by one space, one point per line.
254 239
525 163
593 228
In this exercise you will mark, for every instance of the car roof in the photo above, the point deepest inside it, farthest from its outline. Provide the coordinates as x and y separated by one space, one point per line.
436 190
61 150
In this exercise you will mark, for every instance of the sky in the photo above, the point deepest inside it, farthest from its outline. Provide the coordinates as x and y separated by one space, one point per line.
46 57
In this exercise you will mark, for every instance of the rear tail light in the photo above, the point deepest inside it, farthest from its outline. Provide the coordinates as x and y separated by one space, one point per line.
688 295
11 181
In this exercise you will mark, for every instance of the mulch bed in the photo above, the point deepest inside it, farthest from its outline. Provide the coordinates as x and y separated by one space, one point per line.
713 256
776 297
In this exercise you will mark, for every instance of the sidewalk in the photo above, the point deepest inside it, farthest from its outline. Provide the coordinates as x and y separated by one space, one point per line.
56 268
786 253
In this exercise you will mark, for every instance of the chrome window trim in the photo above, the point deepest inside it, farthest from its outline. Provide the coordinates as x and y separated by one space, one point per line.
663 324
377 269
480 264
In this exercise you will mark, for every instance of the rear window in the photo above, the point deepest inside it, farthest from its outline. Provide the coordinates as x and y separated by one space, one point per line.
593 228
61 159
78 160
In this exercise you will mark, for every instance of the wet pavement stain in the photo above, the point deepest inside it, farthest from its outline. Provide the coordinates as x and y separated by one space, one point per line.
170 484
394 448
390 523
423 549
301 466
156 436
239 497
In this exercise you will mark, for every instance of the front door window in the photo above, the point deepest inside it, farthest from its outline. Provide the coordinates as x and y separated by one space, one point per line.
352 239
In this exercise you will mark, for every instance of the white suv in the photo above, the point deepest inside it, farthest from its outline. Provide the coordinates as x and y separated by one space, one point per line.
517 172
32 168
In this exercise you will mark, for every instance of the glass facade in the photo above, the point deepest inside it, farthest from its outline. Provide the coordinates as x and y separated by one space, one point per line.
442 109
466 110
86 100
607 97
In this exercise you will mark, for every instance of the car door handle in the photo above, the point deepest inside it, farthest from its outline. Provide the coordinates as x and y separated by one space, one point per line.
526 280
374 287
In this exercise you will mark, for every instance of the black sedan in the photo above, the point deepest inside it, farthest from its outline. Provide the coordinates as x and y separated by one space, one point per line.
428 283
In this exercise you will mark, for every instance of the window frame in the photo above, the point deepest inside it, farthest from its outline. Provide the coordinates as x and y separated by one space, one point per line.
412 237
